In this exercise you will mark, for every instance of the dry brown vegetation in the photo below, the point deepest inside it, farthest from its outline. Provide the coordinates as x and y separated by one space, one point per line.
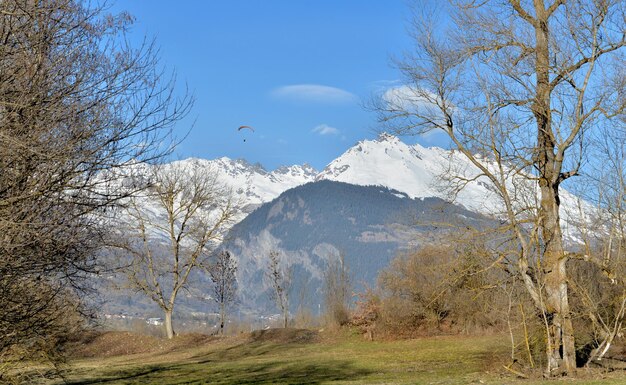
455 289
285 335
337 292
119 343
438 289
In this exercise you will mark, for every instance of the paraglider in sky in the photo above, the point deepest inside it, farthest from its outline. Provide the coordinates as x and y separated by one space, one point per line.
244 127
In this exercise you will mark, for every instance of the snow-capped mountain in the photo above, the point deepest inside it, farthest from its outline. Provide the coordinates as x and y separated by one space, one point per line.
342 212
422 172
417 171
251 184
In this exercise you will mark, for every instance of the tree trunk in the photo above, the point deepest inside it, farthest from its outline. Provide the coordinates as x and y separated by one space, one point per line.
222 317
560 348
169 330
285 318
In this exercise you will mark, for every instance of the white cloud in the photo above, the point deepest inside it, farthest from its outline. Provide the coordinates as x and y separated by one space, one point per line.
409 98
325 129
418 101
379 86
314 93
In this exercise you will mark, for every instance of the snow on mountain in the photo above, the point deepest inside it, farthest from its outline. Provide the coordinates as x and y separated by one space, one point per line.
431 172
251 184
414 170
418 171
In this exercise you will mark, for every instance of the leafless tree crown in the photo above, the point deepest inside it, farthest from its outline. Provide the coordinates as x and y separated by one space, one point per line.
76 103
164 250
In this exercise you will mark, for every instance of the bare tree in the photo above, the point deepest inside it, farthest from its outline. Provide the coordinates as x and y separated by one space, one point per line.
337 290
304 317
192 211
598 275
223 274
517 87
279 276
76 104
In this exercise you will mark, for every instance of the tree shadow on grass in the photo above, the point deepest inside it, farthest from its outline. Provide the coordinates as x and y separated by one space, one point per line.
293 373
299 372
244 350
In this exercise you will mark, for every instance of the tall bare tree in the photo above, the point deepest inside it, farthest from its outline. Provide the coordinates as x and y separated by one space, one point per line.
279 276
192 211
223 273
337 290
76 103
517 86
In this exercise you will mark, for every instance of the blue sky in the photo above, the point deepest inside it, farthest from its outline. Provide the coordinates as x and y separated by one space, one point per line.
297 71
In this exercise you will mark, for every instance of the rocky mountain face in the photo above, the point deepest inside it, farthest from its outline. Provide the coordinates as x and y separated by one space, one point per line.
313 224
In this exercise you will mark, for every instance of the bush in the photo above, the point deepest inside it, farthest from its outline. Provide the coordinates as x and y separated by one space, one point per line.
441 289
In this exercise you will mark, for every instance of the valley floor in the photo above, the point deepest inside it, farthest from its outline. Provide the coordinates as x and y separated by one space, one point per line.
294 358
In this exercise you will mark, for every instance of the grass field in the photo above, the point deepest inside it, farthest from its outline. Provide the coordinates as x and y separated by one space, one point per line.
330 359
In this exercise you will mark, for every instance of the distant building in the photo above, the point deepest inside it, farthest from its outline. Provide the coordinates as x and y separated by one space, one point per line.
154 321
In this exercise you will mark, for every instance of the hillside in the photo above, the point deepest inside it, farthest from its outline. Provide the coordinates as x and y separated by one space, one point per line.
314 223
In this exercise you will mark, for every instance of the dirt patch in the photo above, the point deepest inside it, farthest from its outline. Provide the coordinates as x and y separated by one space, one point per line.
285 335
110 344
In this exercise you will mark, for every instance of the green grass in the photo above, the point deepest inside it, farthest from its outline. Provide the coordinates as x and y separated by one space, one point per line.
344 359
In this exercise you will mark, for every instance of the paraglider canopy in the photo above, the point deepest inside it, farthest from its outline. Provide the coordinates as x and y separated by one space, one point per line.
245 127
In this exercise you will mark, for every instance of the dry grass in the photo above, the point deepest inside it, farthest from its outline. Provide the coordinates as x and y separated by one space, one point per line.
296 356
285 336
111 344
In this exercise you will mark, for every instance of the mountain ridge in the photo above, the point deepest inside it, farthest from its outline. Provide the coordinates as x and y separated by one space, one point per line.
386 161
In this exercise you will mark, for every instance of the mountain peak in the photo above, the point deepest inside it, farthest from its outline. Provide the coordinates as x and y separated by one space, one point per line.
386 137
309 169
383 161
305 171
